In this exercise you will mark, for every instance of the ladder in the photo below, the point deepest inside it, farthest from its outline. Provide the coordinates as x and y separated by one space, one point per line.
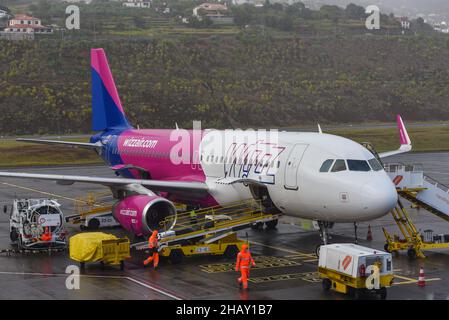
423 192
412 241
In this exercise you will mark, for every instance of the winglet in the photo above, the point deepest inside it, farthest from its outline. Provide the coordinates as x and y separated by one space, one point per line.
406 143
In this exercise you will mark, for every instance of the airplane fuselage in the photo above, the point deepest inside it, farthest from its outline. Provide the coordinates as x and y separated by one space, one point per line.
308 175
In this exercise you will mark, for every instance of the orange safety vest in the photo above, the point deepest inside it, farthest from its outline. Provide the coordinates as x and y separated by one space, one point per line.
153 242
244 259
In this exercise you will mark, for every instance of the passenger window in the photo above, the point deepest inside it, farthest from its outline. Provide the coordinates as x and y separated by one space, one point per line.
326 165
375 165
339 165
358 165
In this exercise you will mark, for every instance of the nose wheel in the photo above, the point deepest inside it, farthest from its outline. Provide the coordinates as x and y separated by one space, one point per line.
324 227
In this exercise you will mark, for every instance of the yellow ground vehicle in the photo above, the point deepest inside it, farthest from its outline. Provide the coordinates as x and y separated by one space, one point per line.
209 230
228 245
347 268
98 246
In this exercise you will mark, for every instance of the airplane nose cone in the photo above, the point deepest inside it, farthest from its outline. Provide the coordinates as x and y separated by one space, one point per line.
379 198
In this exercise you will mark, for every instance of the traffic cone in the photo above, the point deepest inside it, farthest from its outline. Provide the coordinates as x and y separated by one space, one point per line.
369 236
421 279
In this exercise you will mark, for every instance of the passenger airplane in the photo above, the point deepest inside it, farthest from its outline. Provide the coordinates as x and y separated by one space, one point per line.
309 175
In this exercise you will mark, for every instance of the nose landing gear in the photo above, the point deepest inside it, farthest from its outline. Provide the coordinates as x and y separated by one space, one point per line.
323 226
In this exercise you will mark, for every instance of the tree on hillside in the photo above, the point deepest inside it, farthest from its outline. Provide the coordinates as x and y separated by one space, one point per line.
355 12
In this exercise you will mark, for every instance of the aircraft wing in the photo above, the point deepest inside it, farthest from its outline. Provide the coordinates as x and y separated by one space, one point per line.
154 185
406 144
63 143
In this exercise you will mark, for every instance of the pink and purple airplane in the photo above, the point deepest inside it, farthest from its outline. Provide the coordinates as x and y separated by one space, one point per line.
310 175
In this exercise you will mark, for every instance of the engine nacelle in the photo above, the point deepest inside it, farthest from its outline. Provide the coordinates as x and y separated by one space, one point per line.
141 214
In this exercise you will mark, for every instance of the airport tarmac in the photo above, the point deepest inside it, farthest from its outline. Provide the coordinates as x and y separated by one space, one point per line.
285 258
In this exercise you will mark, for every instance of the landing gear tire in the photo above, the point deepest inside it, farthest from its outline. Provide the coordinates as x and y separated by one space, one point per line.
326 284
257 226
271 225
231 252
176 256
93 224
411 253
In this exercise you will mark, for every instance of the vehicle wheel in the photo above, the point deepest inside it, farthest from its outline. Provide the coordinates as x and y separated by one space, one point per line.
382 293
326 284
93 224
176 256
271 225
317 250
411 253
356 293
122 265
231 252
13 235
102 265
82 266
257 226
386 248
20 243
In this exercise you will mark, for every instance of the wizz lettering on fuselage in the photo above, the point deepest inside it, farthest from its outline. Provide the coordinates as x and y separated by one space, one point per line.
140 143
260 158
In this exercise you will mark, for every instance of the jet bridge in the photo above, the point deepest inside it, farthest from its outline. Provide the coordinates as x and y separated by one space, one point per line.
423 192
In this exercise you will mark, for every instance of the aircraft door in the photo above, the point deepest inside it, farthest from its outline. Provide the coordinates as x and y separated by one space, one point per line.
292 166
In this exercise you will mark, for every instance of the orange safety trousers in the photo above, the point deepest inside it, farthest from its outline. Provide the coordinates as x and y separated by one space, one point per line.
244 275
154 258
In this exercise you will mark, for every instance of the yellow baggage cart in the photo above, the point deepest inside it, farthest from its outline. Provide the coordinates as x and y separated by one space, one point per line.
99 247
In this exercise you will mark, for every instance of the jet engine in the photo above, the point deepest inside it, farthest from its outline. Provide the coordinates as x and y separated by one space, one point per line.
141 214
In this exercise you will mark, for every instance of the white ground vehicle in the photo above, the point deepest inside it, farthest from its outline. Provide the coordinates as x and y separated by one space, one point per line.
101 220
350 268
37 224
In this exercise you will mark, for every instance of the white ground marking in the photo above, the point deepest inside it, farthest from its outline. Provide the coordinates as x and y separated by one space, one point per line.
167 294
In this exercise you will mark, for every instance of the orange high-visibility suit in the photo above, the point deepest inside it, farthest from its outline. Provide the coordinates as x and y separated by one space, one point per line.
244 260
46 236
153 245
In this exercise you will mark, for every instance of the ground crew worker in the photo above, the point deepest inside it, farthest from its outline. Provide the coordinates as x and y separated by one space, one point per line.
46 236
193 217
244 260
153 245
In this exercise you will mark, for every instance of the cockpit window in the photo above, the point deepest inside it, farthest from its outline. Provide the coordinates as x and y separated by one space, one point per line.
339 165
358 165
326 165
375 165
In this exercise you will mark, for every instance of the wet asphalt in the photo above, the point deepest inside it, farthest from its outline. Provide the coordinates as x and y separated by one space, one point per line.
285 256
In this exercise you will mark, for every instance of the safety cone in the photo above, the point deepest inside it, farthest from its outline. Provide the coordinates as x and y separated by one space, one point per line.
421 279
369 236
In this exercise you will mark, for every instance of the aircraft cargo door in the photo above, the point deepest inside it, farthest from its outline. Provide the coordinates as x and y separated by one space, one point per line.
292 166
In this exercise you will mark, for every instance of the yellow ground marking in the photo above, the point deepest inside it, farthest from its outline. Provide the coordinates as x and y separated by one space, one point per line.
410 280
41 192
305 276
296 253
262 262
